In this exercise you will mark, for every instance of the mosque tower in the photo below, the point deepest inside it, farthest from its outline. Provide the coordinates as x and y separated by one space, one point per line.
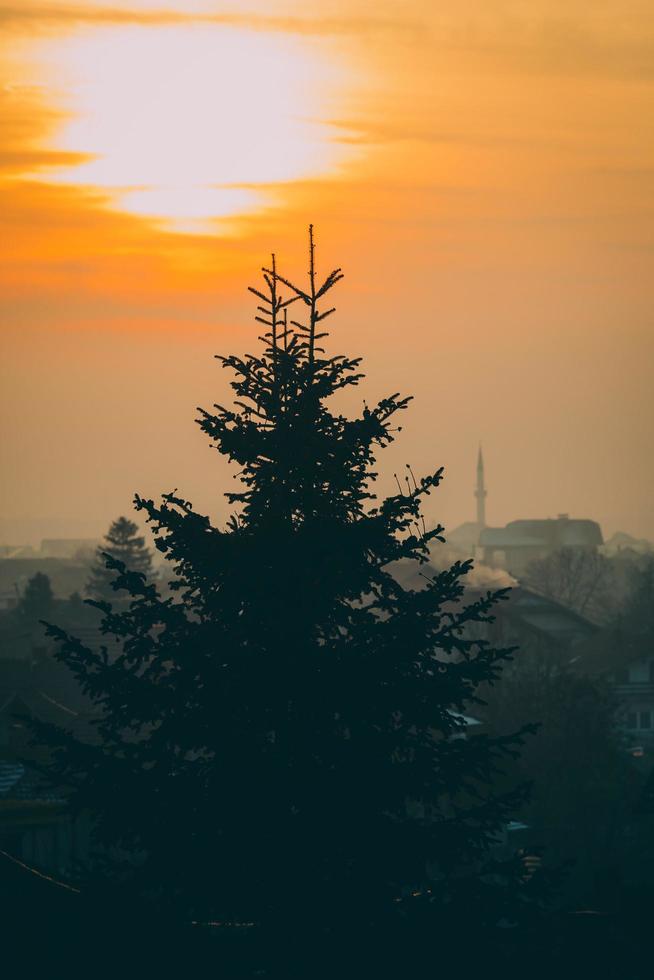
480 492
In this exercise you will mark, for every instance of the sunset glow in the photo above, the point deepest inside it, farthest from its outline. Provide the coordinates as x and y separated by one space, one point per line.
192 123
484 174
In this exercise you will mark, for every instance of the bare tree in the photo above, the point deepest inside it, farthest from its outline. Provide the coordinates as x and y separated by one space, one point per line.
579 578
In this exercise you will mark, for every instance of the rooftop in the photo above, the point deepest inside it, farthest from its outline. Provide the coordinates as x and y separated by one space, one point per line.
561 532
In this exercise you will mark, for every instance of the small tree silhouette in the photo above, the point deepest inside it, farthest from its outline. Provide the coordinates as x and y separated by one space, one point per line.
37 600
281 740
122 543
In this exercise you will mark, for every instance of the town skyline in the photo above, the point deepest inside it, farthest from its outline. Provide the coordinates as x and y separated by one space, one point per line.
32 532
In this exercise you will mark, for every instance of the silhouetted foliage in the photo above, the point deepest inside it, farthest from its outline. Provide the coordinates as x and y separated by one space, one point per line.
75 603
122 543
281 739
585 787
37 600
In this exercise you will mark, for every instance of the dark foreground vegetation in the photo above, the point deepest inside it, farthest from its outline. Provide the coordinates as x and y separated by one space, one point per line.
280 778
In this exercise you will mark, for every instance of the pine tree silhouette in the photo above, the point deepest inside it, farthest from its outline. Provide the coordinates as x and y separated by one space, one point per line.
37 600
281 740
124 544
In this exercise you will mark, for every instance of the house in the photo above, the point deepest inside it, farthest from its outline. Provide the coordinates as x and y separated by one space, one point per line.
533 621
634 687
79 549
627 660
36 826
512 547
517 544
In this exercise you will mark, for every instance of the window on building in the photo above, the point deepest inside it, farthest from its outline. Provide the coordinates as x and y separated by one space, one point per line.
646 719
632 720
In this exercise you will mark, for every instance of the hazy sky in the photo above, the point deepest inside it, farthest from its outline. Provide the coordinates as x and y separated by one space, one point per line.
482 171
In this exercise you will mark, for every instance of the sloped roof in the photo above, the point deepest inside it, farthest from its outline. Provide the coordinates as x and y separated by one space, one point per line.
10 773
464 533
547 615
18 783
543 615
549 532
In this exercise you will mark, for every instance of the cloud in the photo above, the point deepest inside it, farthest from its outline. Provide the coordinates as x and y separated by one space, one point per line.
36 17
378 131
571 48
550 39
24 118
18 161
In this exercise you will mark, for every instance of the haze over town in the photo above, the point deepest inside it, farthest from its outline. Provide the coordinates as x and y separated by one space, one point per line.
483 179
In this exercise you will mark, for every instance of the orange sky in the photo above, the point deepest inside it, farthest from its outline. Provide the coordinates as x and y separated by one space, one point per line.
483 173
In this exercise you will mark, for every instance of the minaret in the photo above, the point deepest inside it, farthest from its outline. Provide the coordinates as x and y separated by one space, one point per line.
480 492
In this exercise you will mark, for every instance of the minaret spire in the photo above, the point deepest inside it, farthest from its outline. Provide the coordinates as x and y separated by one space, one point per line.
480 492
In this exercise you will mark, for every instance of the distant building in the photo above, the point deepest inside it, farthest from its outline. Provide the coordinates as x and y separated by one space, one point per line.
17 551
534 622
69 547
465 537
9 595
625 545
626 660
634 688
514 546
